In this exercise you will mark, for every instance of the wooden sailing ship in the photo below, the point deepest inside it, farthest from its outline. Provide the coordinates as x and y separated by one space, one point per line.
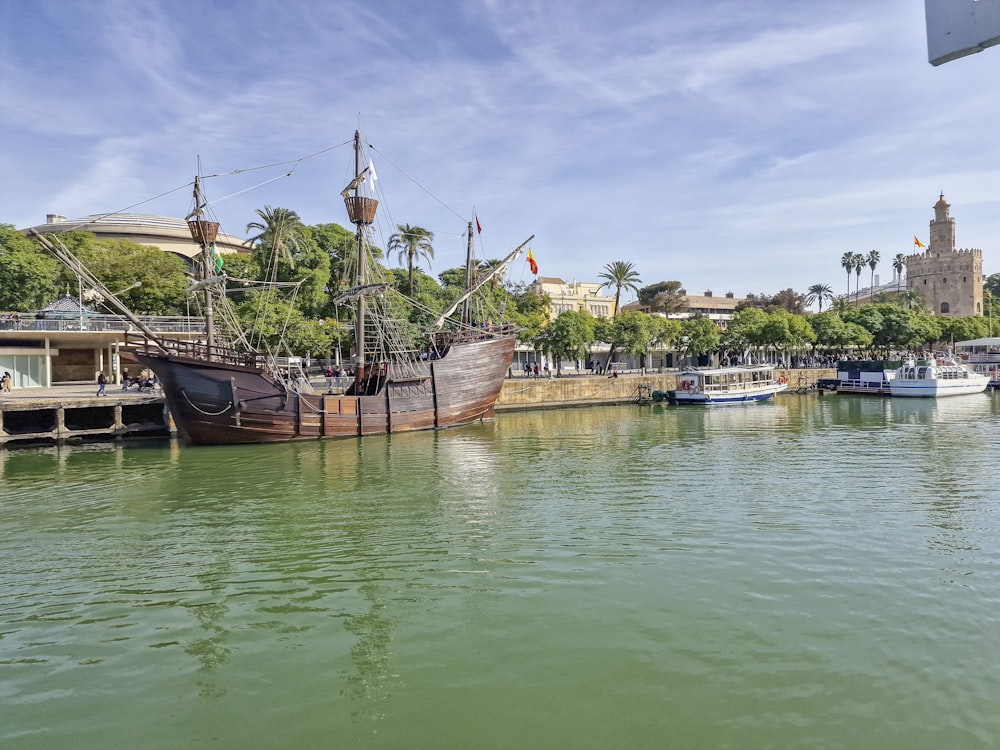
221 390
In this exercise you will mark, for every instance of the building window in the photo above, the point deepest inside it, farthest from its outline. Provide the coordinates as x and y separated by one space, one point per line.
944 308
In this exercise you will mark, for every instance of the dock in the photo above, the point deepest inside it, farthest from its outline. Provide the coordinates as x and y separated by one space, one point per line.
74 413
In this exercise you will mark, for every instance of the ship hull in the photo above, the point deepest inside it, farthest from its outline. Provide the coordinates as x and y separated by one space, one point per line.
215 403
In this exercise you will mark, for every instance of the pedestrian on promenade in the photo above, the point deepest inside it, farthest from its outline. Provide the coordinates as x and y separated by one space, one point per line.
102 384
5 382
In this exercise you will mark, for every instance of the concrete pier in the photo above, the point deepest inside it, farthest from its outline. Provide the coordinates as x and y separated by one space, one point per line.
72 413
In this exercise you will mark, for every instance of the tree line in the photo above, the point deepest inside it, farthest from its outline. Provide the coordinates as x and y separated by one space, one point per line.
321 258
282 248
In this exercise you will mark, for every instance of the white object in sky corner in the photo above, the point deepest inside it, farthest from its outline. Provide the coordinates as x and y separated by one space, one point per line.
956 28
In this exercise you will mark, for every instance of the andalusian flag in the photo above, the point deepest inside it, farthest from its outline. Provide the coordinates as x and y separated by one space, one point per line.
532 263
917 242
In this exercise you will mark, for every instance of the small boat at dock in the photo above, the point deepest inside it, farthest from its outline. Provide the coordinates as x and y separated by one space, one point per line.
724 385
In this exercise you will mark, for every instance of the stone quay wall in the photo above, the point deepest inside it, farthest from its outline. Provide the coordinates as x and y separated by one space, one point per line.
584 390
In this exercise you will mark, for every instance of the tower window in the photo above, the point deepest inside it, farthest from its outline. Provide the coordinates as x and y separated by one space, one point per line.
944 307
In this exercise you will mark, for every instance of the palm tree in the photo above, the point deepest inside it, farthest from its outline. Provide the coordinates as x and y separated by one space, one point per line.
847 263
872 260
620 275
859 263
411 242
898 264
818 293
280 231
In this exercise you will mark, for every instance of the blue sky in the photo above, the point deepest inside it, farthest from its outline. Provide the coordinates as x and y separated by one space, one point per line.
733 145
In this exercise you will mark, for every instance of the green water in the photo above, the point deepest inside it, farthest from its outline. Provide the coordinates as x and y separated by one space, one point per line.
819 572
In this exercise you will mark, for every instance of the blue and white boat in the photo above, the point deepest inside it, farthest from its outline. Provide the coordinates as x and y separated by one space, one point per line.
726 385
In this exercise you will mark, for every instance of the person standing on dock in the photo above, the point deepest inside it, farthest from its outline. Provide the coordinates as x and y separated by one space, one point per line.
102 384
5 382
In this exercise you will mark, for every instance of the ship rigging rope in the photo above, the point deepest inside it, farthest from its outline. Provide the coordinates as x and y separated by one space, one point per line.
411 179
186 185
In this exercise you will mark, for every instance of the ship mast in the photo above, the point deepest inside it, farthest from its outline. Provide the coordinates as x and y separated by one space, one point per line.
361 211
466 308
204 233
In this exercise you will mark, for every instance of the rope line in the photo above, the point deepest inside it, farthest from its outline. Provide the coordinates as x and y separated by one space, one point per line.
202 411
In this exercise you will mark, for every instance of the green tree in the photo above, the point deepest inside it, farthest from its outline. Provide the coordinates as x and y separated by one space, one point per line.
665 297
280 235
859 263
410 243
149 280
784 331
898 264
868 317
620 275
284 328
527 309
340 246
911 299
818 293
631 333
429 296
790 301
664 332
11 240
745 332
833 335
27 273
992 284
894 328
567 337
872 260
699 337
847 263
787 299
831 332
27 280
963 329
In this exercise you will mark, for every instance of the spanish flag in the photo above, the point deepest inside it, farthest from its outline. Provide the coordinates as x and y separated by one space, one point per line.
917 242
532 263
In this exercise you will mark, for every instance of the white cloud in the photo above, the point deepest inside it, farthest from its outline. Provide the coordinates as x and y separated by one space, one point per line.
724 144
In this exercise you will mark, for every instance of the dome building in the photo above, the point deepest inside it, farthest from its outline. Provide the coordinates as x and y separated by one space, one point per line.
169 234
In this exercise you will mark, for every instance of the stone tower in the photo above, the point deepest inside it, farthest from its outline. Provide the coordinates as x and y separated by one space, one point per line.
950 281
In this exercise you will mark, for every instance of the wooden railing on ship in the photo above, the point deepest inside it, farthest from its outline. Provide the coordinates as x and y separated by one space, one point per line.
194 350
464 335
